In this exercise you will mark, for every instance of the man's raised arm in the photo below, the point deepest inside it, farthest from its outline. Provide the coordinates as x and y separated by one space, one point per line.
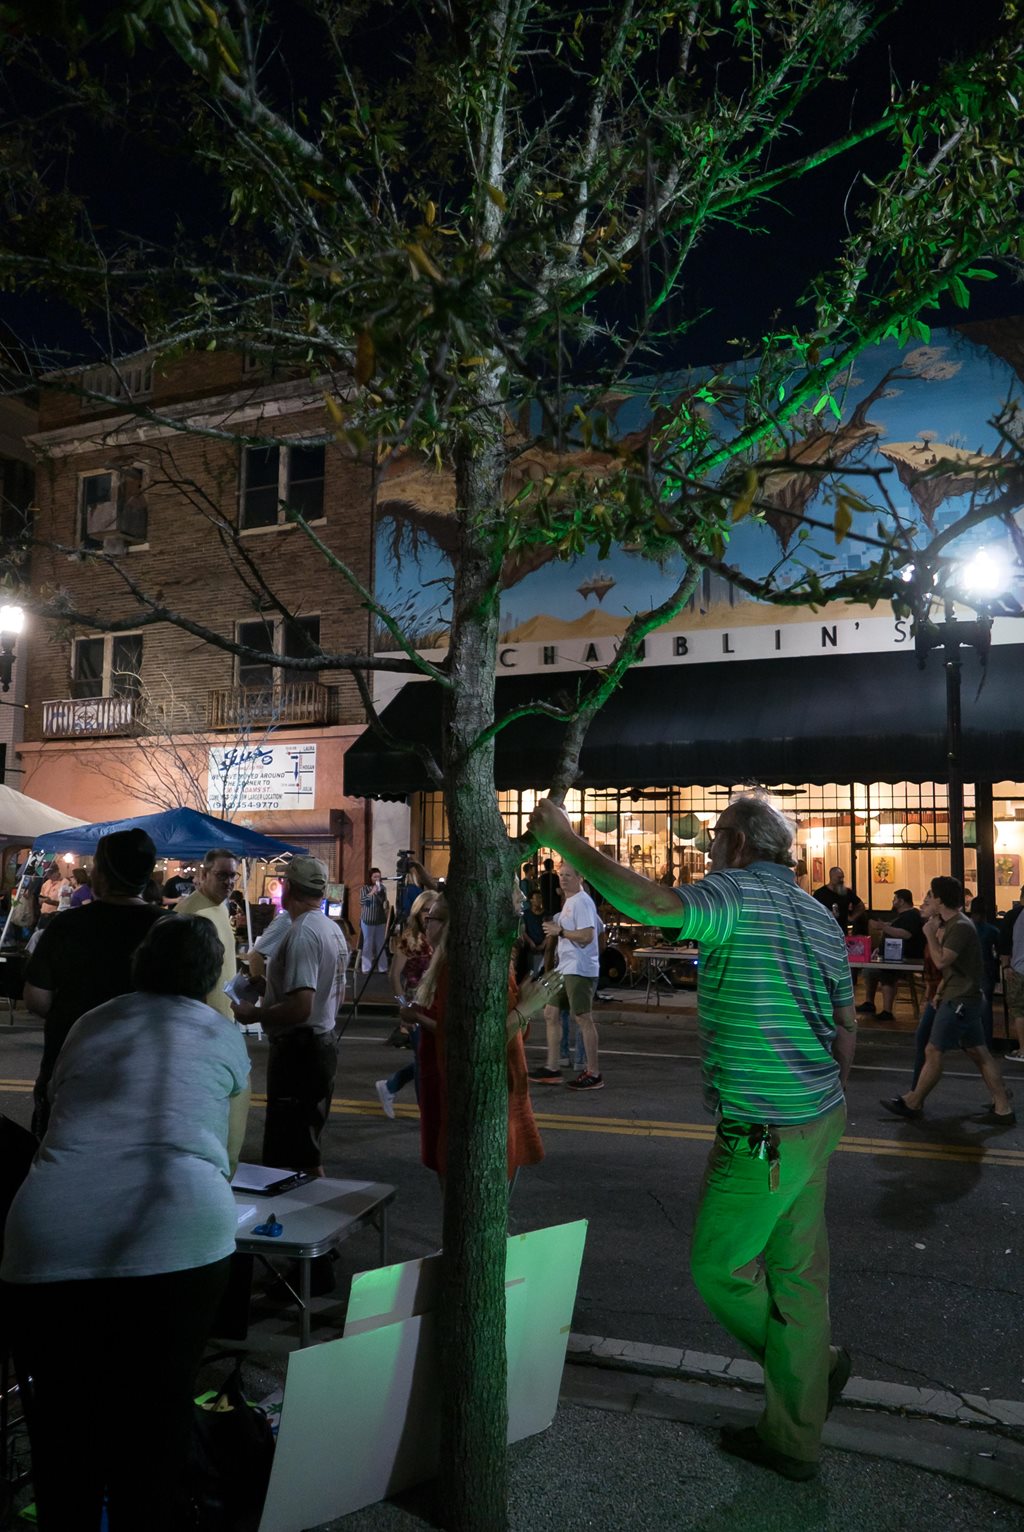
628 891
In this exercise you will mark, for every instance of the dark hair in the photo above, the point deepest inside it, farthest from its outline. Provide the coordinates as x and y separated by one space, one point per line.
948 891
125 860
979 907
548 864
153 892
81 876
216 854
373 870
180 955
904 896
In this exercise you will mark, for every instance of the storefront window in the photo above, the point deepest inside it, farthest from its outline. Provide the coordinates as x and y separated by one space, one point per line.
1008 830
884 835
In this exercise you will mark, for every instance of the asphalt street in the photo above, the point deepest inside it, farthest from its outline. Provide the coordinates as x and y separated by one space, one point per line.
925 1219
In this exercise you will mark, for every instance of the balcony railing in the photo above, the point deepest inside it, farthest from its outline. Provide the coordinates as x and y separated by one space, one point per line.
240 707
72 717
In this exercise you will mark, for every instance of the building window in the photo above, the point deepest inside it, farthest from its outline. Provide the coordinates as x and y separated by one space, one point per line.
276 480
112 509
294 640
110 666
16 488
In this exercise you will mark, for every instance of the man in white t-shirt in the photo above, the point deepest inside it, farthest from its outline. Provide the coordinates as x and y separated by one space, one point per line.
577 926
305 986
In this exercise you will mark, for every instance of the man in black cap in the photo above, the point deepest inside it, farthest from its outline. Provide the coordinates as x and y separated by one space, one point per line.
84 957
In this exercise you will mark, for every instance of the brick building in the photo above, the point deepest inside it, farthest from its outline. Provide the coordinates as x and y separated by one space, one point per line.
125 722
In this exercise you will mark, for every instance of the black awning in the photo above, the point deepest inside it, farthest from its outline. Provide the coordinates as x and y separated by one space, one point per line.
837 718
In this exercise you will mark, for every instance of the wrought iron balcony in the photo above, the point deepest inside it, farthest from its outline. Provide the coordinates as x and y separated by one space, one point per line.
241 707
73 717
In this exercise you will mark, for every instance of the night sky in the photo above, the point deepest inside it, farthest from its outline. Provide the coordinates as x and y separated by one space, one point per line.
143 186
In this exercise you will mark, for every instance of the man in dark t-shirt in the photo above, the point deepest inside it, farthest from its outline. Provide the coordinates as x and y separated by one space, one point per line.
550 889
904 924
84 957
835 896
956 952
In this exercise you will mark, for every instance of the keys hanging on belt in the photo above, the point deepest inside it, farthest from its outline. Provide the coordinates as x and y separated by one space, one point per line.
765 1146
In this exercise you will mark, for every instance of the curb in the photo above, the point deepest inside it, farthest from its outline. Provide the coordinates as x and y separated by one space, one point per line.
942 1406
967 1455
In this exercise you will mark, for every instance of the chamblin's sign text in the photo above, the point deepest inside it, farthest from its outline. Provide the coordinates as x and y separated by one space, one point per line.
703 646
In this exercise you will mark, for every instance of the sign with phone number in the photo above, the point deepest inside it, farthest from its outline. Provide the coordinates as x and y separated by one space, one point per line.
261 779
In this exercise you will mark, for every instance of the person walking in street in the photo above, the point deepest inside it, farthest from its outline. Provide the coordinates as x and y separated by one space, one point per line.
1013 988
777 1039
578 960
305 986
214 883
412 957
84 957
430 1009
373 923
956 951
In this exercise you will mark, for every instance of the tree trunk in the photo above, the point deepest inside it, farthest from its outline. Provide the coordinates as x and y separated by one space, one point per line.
474 1408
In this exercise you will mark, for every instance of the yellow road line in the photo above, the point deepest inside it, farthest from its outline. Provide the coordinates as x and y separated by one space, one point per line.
688 1132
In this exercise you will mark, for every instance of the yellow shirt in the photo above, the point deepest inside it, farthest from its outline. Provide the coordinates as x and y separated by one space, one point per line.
217 915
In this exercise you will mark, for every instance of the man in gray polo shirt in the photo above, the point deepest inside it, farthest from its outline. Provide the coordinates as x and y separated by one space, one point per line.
305 986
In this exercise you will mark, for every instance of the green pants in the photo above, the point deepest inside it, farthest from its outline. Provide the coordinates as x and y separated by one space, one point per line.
760 1262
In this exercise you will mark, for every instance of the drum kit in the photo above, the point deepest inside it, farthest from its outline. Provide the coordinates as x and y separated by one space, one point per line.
620 964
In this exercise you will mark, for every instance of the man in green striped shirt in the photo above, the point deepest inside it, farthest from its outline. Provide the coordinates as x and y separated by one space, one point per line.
777 1034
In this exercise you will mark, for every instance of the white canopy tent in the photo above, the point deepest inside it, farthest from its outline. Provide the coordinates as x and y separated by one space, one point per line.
22 819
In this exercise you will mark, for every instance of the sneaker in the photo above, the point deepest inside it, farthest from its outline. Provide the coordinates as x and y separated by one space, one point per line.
899 1108
866 1008
1013 1058
884 1016
545 1076
744 1442
385 1098
586 1081
838 1377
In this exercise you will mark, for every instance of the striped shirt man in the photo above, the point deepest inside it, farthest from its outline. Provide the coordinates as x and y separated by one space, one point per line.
773 965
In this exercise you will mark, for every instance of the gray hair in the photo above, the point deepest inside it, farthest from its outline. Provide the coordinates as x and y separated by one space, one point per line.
768 832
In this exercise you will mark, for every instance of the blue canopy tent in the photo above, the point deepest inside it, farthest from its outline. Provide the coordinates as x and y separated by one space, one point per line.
183 834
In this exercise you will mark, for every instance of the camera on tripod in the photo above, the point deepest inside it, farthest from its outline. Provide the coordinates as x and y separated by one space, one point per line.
402 865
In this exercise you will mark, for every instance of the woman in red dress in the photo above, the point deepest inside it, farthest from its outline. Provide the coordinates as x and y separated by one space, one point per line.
524 1141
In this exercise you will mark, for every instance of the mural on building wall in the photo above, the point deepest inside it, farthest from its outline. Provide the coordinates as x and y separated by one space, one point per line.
901 413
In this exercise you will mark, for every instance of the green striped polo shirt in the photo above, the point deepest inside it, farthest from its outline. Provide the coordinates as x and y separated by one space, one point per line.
773 964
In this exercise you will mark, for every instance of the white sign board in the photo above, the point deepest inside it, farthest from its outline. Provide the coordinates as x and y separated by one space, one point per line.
359 1417
259 779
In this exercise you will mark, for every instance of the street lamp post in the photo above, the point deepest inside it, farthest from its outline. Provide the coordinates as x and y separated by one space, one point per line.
952 637
12 621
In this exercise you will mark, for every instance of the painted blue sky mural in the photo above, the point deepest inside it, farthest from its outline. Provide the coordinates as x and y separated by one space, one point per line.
901 410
